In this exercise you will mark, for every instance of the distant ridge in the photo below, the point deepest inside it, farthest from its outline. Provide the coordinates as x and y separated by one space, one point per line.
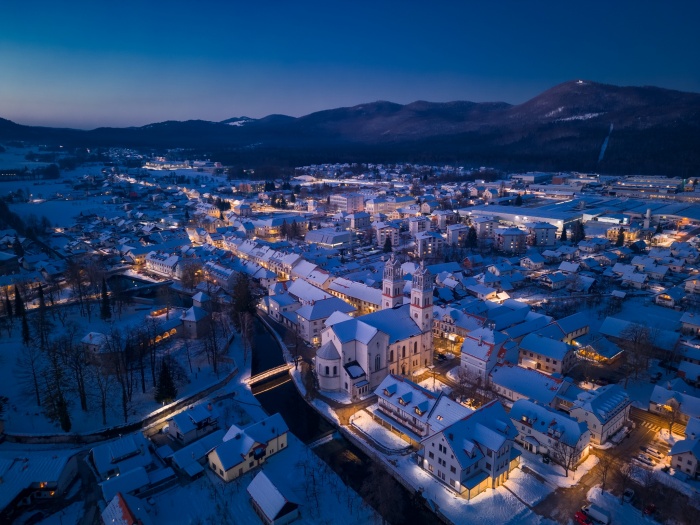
655 131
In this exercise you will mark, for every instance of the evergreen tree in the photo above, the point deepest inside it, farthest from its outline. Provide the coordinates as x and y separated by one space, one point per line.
519 200
26 336
620 238
166 391
8 306
659 229
63 414
563 234
17 247
294 230
187 215
19 303
387 245
292 198
472 238
284 229
243 300
105 310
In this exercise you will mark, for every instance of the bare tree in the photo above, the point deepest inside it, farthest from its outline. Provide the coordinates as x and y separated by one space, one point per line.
74 358
606 464
381 491
120 359
567 456
30 368
623 477
103 381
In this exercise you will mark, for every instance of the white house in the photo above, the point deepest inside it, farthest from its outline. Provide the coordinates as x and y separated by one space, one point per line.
474 453
192 424
605 410
481 350
545 354
546 431
243 450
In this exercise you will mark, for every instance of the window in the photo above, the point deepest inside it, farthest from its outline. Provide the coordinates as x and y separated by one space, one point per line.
489 453
453 470
431 455
403 351
251 464
335 370
327 371
554 361
391 356
415 347
377 363
488 466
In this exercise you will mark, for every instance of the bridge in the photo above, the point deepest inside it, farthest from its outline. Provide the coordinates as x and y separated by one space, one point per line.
267 374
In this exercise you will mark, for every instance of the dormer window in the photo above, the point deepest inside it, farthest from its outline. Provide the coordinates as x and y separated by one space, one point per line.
419 411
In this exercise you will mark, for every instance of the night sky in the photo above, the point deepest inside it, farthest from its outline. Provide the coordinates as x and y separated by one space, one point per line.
126 63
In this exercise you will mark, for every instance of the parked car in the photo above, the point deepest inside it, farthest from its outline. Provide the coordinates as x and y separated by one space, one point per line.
628 495
545 459
653 452
440 357
644 460
582 519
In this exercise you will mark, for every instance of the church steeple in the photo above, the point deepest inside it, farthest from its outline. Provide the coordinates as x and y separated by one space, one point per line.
392 284
422 298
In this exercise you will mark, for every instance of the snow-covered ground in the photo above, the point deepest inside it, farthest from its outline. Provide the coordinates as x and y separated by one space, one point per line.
435 386
71 515
24 416
619 512
324 498
375 431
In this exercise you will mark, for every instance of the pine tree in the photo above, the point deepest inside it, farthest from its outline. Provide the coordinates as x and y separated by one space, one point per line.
63 414
472 238
8 306
620 238
659 229
519 200
26 336
105 310
387 245
563 234
19 303
166 391
17 247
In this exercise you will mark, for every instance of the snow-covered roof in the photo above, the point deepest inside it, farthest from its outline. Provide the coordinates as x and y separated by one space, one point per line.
529 383
604 402
543 419
324 308
123 454
328 352
269 497
395 322
195 313
545 346
238 442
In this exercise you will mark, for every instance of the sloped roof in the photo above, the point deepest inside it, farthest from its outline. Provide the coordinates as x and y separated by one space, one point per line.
271 498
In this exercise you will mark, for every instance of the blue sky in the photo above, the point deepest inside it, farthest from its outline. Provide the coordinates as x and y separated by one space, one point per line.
89 64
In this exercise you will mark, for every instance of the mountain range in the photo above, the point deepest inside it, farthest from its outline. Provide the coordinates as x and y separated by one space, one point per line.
646 130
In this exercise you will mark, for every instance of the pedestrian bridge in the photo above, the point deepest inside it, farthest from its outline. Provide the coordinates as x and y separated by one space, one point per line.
267 374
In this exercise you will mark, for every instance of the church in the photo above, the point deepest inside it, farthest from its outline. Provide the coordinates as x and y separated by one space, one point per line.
356 354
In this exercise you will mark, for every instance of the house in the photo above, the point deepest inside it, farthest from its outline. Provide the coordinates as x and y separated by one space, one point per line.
605 410
573 326
554 281
27 480
635 280
413 411
534 261
675 399
670 298
543 430
514 382
685 456
481 350
94 345
474 453
273 502
541 234
122 455
192 424
124 509
311 317
278 304
547 355
510 240
690 323
243 450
